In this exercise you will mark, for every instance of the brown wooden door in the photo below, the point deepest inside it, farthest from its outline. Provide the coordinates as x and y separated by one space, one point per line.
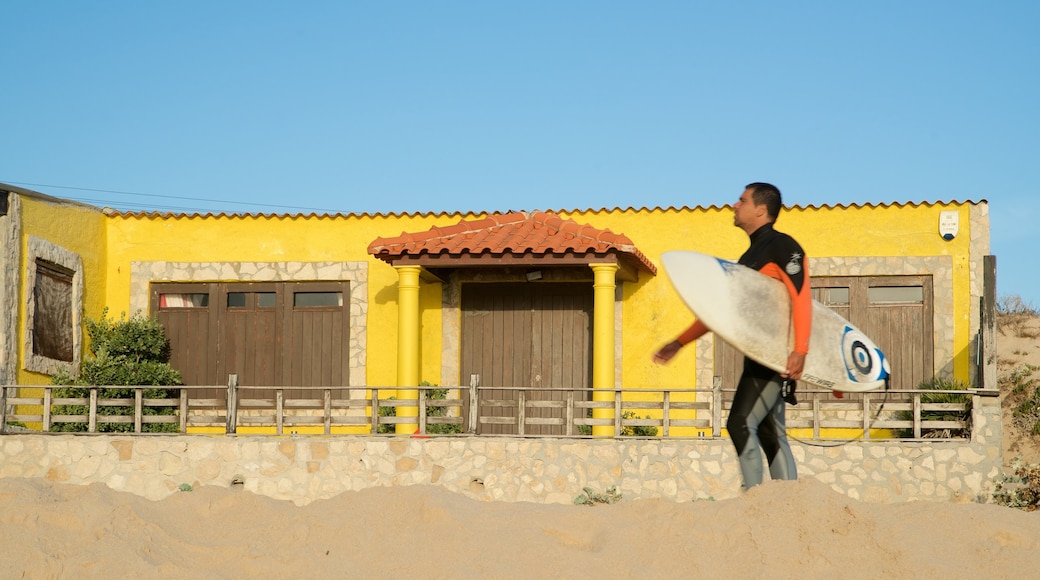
185 312
894 311
527 335
269 334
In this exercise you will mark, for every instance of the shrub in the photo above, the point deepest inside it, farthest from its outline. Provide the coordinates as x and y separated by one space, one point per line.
637 430
626 430
590 498
1014 317
1022 392
431 428
128 352
1020 491
940 384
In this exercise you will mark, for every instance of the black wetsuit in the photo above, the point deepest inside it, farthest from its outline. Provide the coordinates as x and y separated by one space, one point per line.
756 421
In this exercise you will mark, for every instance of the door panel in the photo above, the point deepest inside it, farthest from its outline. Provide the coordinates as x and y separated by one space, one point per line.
527 335
268 334
894 311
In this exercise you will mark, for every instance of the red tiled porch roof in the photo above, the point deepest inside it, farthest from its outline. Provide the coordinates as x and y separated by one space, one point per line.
519 233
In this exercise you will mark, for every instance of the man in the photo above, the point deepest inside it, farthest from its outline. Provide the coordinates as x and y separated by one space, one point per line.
756 421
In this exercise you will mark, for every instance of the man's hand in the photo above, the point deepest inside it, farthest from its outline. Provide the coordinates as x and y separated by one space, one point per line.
667 352
795 366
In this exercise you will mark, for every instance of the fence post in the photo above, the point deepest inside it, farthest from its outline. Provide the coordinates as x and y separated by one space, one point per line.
422 392
665 414
138 409
917 415
374 414
184 410
279 411
92 411
3 409
618 415
47 396
232 404
866 415
327 411
716 406
474 404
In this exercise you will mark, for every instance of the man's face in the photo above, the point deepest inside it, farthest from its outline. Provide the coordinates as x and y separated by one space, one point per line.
745 211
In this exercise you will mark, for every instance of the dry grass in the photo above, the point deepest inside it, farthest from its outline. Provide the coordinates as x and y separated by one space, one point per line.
1017 318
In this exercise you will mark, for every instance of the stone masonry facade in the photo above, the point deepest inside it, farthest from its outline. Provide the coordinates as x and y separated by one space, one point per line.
303 469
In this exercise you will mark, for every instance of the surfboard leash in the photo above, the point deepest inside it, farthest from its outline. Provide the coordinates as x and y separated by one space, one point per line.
841 442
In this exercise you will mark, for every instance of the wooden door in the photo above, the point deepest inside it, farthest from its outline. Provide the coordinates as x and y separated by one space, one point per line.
894 311
527 335
269 334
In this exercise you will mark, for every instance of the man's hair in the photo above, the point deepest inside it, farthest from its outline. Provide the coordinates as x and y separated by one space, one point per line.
767 194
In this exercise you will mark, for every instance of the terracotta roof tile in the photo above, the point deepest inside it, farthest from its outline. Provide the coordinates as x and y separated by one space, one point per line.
630 209
535 233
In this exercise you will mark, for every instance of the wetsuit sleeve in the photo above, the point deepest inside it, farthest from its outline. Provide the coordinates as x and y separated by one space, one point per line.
697 330
798 287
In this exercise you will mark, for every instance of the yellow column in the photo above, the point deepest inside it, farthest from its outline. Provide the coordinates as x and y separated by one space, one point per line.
603 343
407 343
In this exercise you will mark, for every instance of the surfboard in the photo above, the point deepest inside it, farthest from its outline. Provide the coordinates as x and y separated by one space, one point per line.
752 312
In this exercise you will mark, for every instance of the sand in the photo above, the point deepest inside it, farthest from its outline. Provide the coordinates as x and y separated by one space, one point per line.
779 530
799 529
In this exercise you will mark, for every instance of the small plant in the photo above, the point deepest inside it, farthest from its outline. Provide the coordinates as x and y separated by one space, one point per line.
1022 392
626 430
1014 316
1022 490
637 430
438 411
387 411
940 384
185 487
431 411
591 498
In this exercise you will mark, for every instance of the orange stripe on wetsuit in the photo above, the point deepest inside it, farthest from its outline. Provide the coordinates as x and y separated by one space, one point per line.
769 246
801 305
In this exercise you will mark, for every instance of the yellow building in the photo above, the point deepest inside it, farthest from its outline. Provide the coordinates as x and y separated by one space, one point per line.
546 300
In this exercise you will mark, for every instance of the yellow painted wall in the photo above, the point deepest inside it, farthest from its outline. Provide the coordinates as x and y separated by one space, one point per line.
653 313
78 229
289 239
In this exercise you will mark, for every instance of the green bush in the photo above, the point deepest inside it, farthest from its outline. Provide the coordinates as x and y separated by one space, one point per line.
626 430
125 352
940 384
431 428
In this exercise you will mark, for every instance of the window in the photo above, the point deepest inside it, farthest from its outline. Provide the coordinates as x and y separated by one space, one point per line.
317 299
52 303
184 301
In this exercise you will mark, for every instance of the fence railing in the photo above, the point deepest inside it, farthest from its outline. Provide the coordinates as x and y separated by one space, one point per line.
513 411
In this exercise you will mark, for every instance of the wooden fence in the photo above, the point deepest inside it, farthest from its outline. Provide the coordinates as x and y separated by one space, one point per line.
911 414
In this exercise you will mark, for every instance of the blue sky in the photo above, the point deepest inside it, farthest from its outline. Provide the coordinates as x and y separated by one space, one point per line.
402 106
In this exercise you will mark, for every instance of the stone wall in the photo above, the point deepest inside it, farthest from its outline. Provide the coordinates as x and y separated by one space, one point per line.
306 468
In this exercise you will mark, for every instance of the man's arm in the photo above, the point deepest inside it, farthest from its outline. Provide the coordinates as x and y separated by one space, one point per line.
668 351
796 279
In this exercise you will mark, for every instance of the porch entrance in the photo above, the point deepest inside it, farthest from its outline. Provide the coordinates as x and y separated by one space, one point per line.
526 335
